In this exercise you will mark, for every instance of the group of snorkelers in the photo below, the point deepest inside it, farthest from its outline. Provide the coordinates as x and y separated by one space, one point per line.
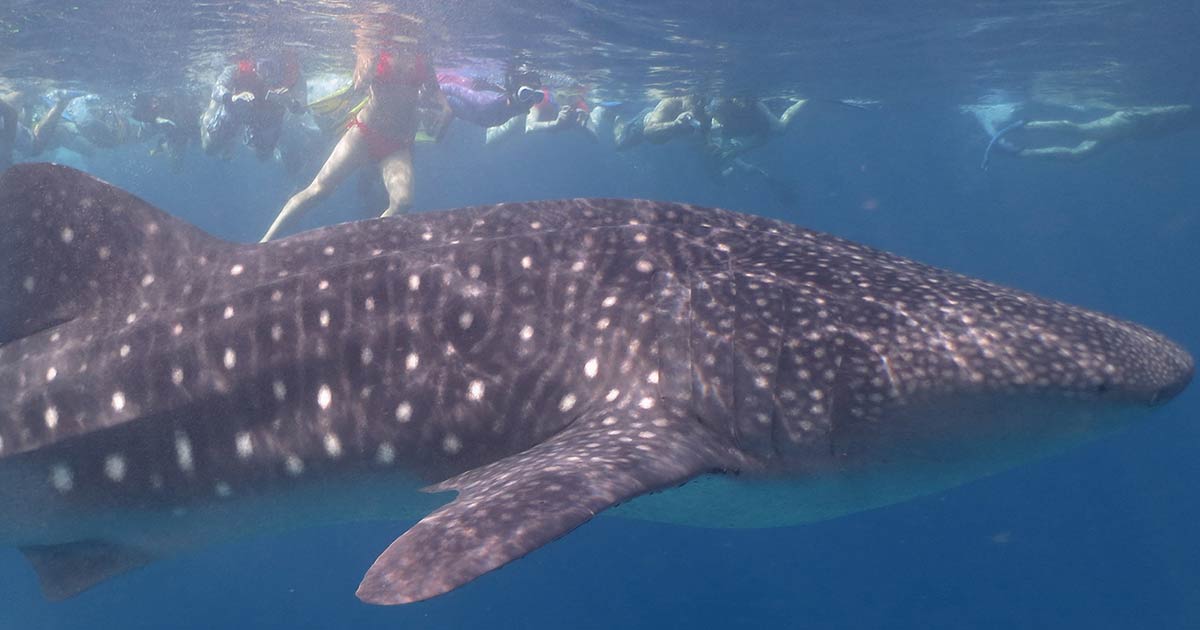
396 96
84 123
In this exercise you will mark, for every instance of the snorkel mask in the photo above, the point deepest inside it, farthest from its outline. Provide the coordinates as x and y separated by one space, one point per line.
269 71
529 96
524 85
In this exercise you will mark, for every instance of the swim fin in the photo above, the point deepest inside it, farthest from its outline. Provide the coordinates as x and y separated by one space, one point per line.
987 153
339 100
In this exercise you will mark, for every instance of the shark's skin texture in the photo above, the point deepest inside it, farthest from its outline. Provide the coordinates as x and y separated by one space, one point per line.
162 388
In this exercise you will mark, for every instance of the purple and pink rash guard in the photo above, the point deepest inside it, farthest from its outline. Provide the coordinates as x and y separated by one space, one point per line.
486 108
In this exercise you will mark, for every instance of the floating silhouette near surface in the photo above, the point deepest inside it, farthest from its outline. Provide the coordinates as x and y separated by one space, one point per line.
163 388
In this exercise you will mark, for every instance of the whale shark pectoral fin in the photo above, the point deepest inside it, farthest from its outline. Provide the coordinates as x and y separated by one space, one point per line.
511 507
69 569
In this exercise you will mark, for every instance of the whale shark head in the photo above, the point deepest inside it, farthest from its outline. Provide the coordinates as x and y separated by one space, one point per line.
820 354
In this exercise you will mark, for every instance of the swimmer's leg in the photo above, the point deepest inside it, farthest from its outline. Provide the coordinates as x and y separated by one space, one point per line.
1108 126
46 126
397 172
630 132
790 113
1084 149
350 153
1053 125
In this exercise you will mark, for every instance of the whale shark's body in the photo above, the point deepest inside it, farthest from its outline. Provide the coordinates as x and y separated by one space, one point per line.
162 388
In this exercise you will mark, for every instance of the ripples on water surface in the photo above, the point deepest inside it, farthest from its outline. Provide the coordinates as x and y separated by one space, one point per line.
1074 50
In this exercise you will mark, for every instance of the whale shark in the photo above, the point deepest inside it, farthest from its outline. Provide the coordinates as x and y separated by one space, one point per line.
502 374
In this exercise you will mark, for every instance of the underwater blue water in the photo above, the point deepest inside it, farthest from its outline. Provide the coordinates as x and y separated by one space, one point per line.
1100 537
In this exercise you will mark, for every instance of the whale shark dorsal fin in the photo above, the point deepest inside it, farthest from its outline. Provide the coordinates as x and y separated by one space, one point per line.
511 507
72 244
69 569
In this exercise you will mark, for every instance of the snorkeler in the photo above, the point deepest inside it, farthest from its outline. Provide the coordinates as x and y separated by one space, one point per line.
673 117
1099 133
102 123
31 140
396 73
489 105
42 134
746 123
44 129
169 120
546 113
253 95
741 124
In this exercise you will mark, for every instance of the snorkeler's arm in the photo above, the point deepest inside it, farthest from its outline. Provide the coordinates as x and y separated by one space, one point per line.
223 87
532 124
663 120
498 133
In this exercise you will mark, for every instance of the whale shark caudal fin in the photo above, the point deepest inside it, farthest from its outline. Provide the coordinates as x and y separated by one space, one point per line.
66 570
511 507
70 244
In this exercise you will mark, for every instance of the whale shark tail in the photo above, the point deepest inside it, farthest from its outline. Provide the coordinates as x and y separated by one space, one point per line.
70 244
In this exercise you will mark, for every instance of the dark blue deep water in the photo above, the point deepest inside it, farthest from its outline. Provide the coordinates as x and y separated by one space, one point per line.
1100 537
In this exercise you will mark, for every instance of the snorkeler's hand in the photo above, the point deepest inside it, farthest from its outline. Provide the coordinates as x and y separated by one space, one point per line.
245 97
566 116
685 118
